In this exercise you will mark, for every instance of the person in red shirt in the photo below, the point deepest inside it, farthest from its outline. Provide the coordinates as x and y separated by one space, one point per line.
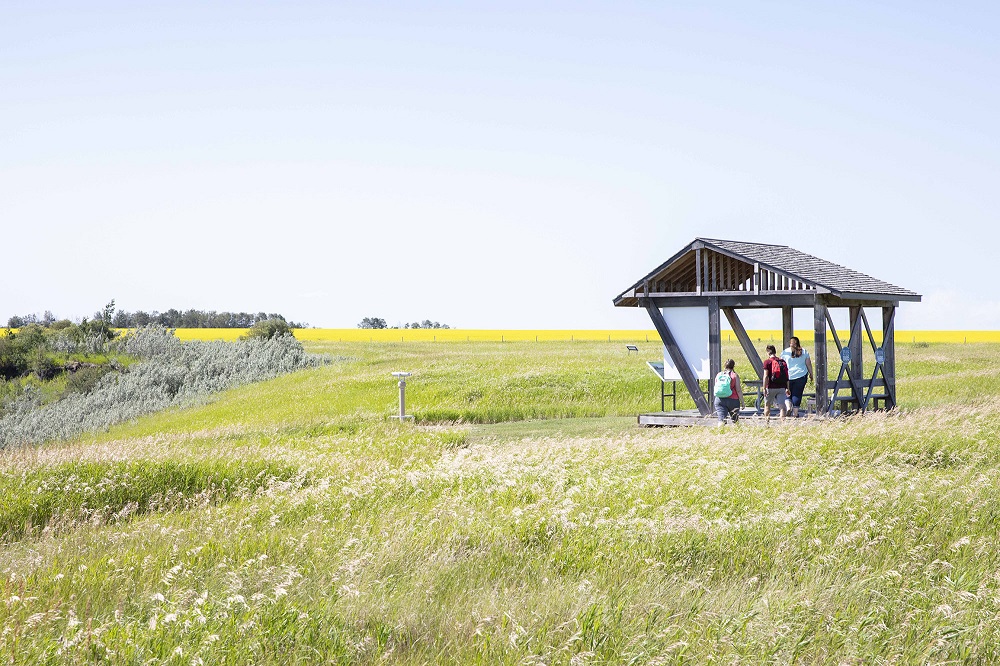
776 384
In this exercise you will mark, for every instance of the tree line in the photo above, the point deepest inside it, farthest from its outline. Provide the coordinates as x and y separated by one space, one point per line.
171 318
378 322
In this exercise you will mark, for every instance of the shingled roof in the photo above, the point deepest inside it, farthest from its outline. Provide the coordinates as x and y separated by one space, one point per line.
794 271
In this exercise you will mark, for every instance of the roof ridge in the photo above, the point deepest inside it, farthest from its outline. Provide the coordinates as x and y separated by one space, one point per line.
723 240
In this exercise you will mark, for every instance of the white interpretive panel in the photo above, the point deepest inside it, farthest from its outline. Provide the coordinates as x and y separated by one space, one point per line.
689 327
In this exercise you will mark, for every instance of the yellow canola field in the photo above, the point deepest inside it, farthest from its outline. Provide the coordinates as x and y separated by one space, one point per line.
424 335
514 335
501 335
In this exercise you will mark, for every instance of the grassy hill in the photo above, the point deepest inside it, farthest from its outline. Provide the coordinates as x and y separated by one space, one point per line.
291 522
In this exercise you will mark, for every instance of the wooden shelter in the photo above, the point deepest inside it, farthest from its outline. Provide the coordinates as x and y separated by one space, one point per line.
725 276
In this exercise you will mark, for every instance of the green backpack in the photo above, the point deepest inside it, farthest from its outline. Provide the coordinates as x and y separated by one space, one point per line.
723 389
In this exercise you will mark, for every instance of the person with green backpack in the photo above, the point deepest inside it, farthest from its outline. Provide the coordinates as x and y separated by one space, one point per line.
728 397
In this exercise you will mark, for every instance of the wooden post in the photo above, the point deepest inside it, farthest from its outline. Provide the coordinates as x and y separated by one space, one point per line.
787 326
889 349
690 381
856 345
741 334
819 355
714 337
697 270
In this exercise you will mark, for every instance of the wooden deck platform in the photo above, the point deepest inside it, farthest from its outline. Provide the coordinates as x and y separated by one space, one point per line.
691 417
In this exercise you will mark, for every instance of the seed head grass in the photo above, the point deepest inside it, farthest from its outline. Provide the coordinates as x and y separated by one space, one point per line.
524 519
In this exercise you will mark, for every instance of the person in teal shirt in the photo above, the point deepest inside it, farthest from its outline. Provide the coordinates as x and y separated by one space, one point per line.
800 371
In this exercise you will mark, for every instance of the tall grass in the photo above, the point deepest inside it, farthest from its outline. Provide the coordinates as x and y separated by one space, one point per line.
581 540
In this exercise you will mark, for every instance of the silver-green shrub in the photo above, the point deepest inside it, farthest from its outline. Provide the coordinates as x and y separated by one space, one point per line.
171 373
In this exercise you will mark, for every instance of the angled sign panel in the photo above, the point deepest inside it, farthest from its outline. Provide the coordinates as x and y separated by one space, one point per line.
690 329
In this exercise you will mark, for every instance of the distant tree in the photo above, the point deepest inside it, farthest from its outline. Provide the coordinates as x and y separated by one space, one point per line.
373 322
191 319
103 322
20 322
426 323
170 319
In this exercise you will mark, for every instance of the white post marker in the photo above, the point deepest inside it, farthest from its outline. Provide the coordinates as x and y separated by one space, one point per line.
402 397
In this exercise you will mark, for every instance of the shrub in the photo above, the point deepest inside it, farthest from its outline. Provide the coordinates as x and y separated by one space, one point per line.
18 350
86 378
42 365
267 329
173 373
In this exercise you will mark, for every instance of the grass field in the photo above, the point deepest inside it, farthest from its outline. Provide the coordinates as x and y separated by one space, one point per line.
523 519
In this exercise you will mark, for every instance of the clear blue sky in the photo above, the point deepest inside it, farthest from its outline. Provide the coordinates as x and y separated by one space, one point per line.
506 166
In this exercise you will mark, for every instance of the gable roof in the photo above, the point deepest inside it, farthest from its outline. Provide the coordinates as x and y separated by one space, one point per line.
798 270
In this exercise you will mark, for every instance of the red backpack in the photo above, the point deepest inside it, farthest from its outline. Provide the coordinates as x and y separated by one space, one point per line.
779 370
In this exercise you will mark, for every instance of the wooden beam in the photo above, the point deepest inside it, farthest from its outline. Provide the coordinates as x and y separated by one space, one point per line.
889 349
868 329
755 299
854 381
734 299
874 302
833 329
819 355
847 384
741 334
714 338
787 325
697 271
677 357
855 344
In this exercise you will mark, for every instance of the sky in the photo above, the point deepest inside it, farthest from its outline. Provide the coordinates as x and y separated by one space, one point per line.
507 165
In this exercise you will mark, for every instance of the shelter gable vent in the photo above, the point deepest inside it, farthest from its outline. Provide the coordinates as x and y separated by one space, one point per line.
705 271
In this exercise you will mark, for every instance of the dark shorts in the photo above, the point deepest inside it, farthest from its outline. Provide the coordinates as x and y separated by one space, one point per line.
727 407
797 386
